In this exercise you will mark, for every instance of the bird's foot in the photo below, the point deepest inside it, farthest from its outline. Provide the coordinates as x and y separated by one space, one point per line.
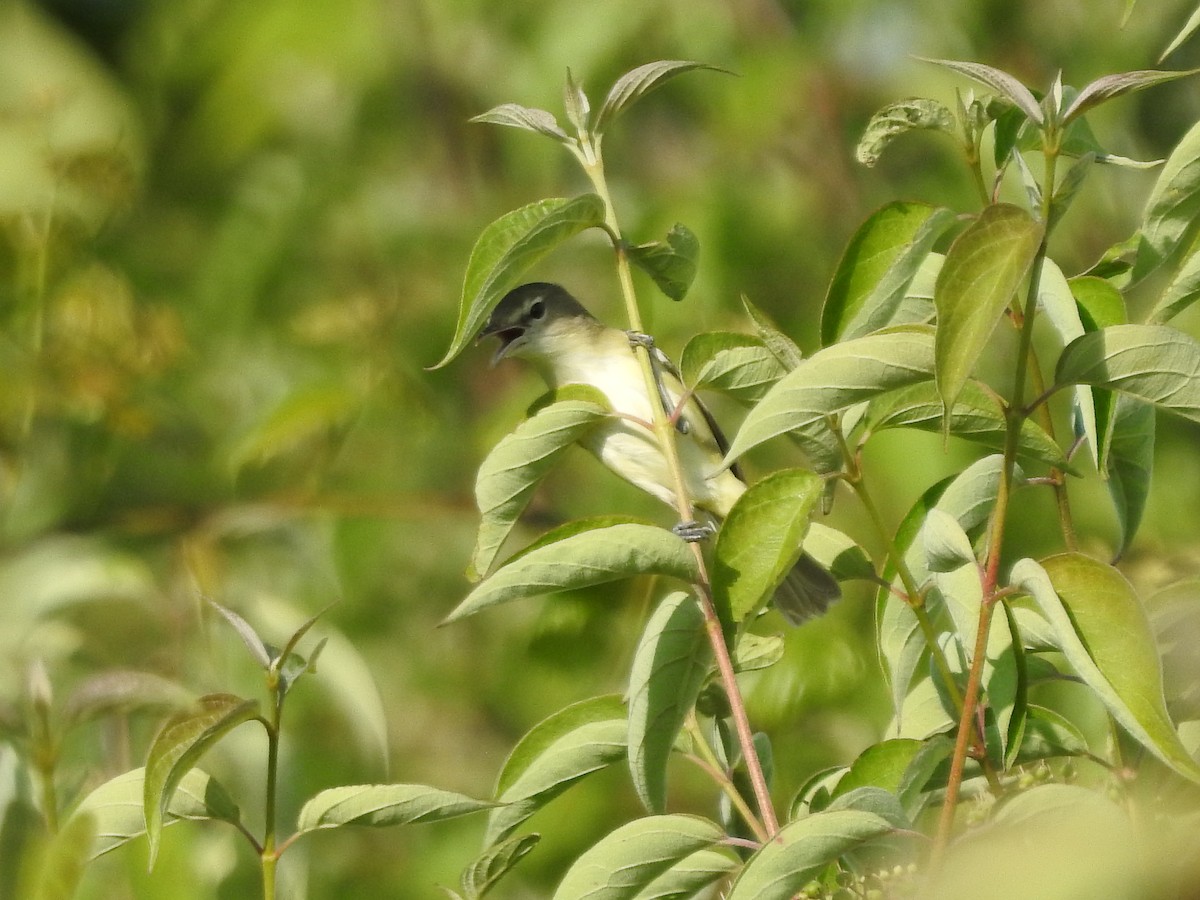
694 531
640 339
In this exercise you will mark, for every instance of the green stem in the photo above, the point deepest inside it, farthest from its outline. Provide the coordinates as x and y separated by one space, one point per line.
589 156
1014 414
708 761
270 856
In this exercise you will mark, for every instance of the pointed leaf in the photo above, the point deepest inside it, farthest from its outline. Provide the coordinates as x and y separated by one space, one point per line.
508 247
881 765
575 102
640 81
946 545
761 540
596 556
553 755
382 805
670 666
1000 82
895 119
985 266
178 746
118 810
1130 463
516 464
124 690
838 553
1189 28
835 379
1104 633
738 364
1182 291
977 417
1154 363
1109 86
1173 205
248 635
1058 302
781 346
630 858
689 876
802 850
485 872
671 262
877 267
528 118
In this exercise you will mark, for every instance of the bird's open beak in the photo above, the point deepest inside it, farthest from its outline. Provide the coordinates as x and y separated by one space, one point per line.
510 338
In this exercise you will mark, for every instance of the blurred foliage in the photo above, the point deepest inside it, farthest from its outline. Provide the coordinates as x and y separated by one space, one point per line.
232 235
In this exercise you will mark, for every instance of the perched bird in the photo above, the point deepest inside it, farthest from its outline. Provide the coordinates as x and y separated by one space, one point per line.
545 325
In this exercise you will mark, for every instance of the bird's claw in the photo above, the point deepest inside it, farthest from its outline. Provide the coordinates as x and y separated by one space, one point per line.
693 531
640 339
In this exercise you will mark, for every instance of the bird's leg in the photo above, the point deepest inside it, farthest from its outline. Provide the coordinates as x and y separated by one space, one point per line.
641 339
694 531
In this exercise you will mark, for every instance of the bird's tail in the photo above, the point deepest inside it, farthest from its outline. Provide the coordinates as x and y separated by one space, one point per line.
806 591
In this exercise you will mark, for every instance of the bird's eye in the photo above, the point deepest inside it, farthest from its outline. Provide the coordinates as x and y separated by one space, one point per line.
537 309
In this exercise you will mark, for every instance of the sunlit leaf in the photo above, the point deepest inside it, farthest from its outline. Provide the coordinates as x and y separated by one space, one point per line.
575 102
737 364
382 805
761 540
784 865
754 651
835 379
1058 302
594 556
838 553
59 866
528 118
1000 82
688 876
669 668
1188 29
553 755
1107 87
513 468
1104 633
984 267
509 246
118 809
640 81
1154 363
782 346
178 746
877 267
671 263
881 765
1181 291
1173 205
632 856
901 117
494 863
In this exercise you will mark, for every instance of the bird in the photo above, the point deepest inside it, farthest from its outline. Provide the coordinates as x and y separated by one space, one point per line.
543 324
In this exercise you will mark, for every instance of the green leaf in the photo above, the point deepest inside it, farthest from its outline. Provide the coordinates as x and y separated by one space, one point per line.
946 545
640 81
382 805
977 417
516 464
877 267
553 755
984 267
761 540
835 379
1154 363
1107 87
1058 301
1130 463
118 809
528 118
737 364
1181 291
671 262
249 636
755 651
1173 205
1000 82
669 668
781 346
507 248
689 876
494 863
595 556
60 865
801 850
575 102
1188 29
178 746
881 765
630 858
838 553
1104 633
901 117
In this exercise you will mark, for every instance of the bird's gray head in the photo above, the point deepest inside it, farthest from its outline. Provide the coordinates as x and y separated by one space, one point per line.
531 314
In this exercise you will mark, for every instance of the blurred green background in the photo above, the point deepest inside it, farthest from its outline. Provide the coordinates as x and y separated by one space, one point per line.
233 234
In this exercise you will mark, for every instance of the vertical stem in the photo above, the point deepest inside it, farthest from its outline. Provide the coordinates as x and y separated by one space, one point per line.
270 856
1014 415
589 156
